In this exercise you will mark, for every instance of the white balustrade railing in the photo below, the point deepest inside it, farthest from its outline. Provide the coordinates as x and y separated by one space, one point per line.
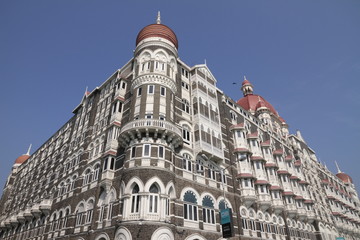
155 123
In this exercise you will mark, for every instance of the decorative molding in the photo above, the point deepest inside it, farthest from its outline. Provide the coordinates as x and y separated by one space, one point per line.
154 78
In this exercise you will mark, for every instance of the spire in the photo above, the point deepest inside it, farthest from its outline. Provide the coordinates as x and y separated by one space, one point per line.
158 19
29 149
337 166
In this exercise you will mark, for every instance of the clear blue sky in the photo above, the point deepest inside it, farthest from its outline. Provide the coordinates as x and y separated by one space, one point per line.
302 56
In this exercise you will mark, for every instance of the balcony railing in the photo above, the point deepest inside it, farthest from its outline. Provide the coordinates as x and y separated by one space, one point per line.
147 123
160 128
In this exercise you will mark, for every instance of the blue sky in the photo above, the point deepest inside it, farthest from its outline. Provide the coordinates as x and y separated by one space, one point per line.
302 56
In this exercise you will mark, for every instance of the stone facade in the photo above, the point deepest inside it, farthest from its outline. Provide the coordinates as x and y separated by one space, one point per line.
157 151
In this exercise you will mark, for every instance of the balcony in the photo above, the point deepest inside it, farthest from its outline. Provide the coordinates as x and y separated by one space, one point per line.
291 210
310 216
45 206
35 211
13 221
27 214
150 127
248 196
264 201
301 214
21 218
277 206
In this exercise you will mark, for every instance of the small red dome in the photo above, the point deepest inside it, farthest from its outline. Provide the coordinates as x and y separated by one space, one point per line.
157 30
260 104
22 159
344 177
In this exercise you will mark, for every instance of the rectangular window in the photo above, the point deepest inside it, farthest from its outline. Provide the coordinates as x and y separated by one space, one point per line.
161 152
139 91
151 89
146 152
133 152
238 133
162 91
246 182
123 85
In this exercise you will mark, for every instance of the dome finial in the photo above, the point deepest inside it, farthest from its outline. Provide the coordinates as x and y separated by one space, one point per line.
29 149
158 19
337 166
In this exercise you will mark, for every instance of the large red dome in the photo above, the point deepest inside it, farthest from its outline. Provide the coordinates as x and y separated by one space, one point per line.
22 159
344 177
157 30
251 102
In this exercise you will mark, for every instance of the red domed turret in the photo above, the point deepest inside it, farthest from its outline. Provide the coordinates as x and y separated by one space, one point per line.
157 30
24 157
250 101
344 177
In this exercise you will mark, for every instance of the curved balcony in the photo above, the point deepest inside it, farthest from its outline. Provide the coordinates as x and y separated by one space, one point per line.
35 211
150 128
248 196
291 210
13 221
45 206
277 206
301 213
264 201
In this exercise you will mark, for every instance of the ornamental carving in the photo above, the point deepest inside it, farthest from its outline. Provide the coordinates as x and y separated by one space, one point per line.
154 78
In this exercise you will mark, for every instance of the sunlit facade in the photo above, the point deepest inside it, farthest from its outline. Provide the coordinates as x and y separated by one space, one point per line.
157 150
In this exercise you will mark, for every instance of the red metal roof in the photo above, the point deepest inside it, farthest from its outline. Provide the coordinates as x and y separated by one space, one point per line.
241 150
245 175
344 177
260 182
283 172
303 182
22 159
275 188
278 152
157 30
294 177
250 102
256 158
288 193
270 165
240 125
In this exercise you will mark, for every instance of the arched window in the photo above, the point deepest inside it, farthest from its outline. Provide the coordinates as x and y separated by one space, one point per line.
135 199
190 206
79 215
186 133
64 223
96 172
87 177
72 183
208 210
187 163
153 198
185 106
89 211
